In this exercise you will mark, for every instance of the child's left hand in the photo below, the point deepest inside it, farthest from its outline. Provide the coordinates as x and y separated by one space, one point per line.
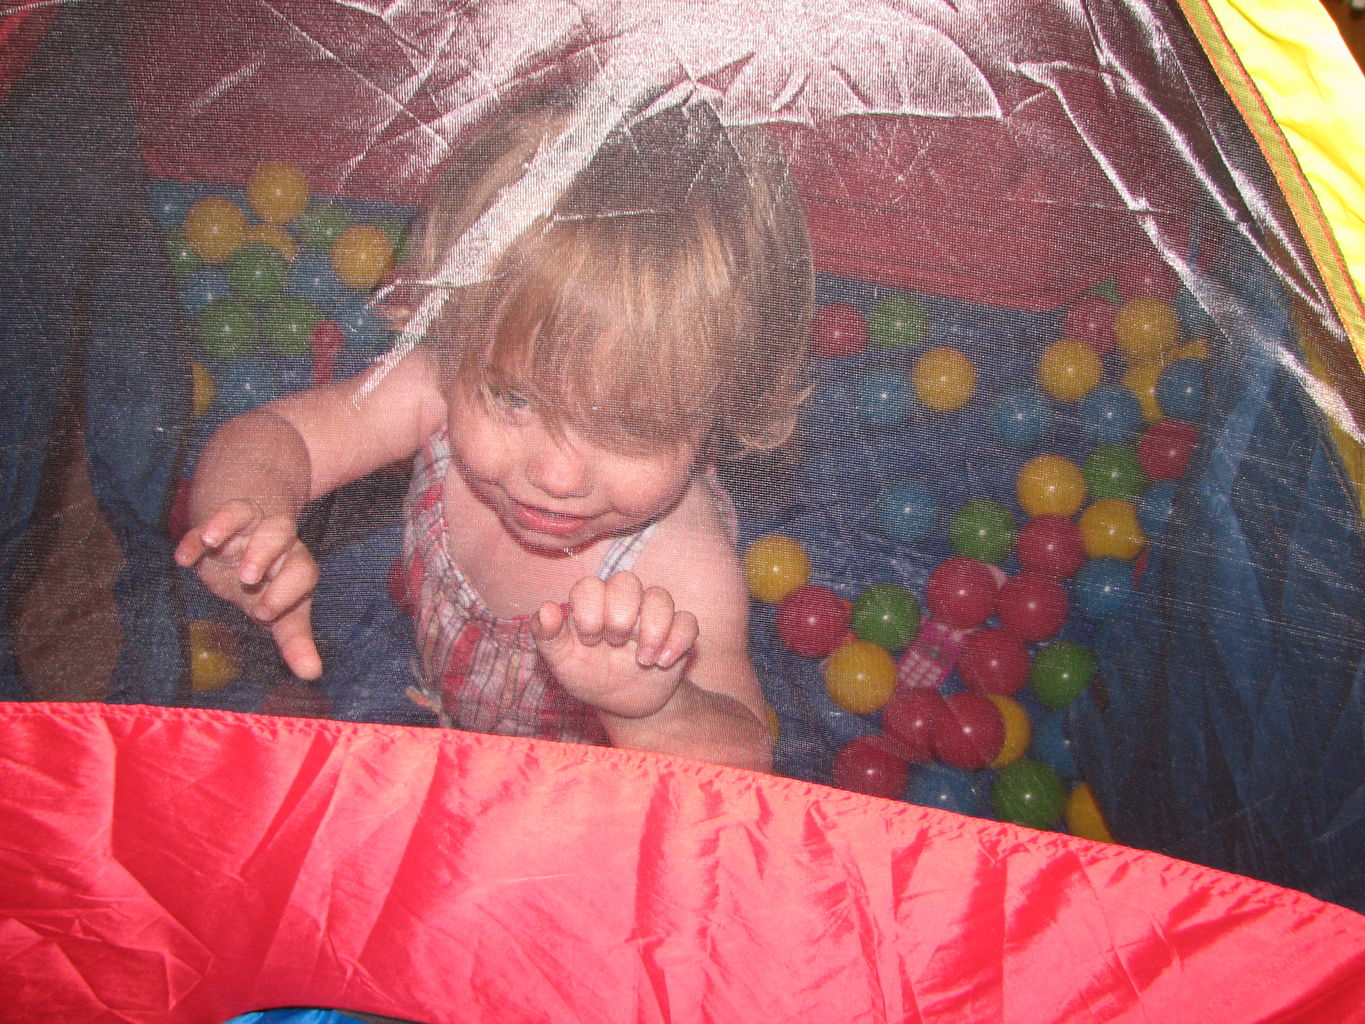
617 646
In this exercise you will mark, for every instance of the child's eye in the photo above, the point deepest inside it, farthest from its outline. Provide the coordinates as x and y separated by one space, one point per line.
511 399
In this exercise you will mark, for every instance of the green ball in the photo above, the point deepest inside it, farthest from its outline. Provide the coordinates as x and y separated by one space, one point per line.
397 231
886 614
256 273
1113 471
288 325
897 321
983 530
1028 793
228 328
1060 673
183 259
320 225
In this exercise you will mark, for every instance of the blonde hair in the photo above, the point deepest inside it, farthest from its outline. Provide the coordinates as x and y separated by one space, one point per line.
667 296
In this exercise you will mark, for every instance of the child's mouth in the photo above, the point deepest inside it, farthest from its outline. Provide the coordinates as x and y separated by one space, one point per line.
543 520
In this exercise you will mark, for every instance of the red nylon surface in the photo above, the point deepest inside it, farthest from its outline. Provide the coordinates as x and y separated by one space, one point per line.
186 865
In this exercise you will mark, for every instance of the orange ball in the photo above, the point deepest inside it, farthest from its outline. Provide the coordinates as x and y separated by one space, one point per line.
945 379
214 228
1141 379
1145 328
213 655
1050 485
277 191
1195 348
1084 817
774 566
1018 730
860 677
276 237
1109 528
1069 370
361 256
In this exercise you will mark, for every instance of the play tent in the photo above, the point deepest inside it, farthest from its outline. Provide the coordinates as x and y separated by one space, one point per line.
1100 236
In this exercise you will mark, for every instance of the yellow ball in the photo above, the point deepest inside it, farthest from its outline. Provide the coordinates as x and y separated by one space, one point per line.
361 255
1145 328
213 655
1069 370
1109 528
214 228
202 388
1018 730
1050 485
276 237
1195 348
945 379
1084 817
277 191
774 724
1141 380
774 566
860 677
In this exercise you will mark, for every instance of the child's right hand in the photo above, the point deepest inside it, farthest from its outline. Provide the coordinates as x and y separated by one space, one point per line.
257 562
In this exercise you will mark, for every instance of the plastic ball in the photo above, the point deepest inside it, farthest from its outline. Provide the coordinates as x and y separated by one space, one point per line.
886 614
256 272
361 256
1195 348
1051 745
1069 369
1102 587
1146 276
774 566
909 718
812 621
970 733
961 593
1113 471
228 328
1032 606
213 655
311 277
884 398
872 766
214 228
274 236
1165 448
320 226
287 325
948 789
367 332
1145 328
1061 671
838 329
906 511
1091 320
1050 485
898 321
245 384
1180 389
169 201
1141 379
277 191
397 230
1028 793
1021 418
1154 507
1109 529
944 379
983 530
326 343
1110 414
860 677
993 661
1084 817
202 286
1018 730
1051 546
201 394
182 258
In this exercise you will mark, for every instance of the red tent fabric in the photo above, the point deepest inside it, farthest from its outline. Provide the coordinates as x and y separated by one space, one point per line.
174 865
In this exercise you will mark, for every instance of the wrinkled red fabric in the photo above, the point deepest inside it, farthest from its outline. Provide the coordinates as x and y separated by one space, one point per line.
180 865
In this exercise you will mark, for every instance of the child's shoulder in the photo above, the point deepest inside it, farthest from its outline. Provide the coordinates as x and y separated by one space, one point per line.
692 552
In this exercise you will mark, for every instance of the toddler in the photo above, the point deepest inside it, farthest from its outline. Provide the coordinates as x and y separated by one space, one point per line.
569 554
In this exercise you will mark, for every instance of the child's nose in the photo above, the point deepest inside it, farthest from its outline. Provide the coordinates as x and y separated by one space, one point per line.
558 468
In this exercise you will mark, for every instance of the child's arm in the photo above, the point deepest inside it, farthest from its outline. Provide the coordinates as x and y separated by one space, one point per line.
260 469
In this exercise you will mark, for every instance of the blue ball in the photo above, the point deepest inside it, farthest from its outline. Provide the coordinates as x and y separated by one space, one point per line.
1110 415
367 333
838 726
906 511
245 384
1021 417
884 398
1102 587
1052 746
1180 390
949 789
311 277
169 201
202 286
1154 507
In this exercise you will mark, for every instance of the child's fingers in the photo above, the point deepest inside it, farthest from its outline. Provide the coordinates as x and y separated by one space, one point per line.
293 633
621 608
586 600
547 624
295 579
273 539
682 637
655 623
231 519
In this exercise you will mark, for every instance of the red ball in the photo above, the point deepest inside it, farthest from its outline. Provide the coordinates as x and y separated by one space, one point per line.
398 587
970 732
1146 275
838 330
1032 606
961 593
1165 449
1140 566
326 343
994 661
1091 320
908 719
1051 546
812 621
872 765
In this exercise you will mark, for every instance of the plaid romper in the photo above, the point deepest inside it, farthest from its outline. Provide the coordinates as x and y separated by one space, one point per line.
477 671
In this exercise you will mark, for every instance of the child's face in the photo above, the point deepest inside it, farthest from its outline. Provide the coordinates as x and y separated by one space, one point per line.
558 491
